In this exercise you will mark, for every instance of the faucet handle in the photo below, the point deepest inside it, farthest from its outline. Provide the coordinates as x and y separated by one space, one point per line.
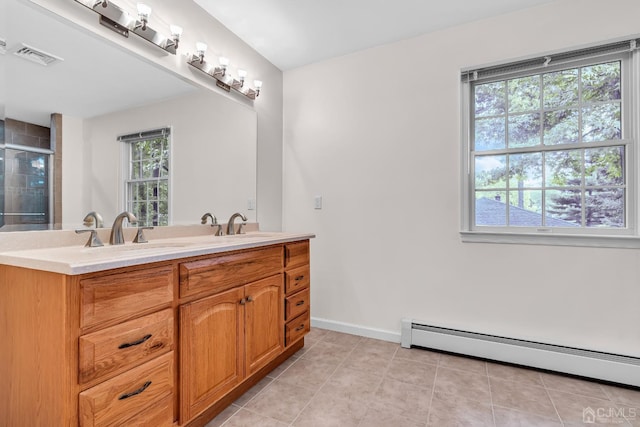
140 235
218 232
94 240
240 230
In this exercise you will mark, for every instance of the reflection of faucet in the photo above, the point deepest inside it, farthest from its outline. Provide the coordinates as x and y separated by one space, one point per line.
230 228
214 223
117 237
93 217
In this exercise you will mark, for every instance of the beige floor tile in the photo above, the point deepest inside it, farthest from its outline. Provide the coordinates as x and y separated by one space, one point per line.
377 347
367 363
244 418
283 367
223 416
573 385
329 411
456 384
315 334
514 373
351 384
509 418
525 398
280 401
416 373
253 391
403 399
623 395
344 340
418 355
574 408
310 374
308 344
446 412
323 350
463 363
378 418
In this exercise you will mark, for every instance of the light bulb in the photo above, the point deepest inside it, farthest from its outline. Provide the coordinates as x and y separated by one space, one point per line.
176 31
257 84
144 11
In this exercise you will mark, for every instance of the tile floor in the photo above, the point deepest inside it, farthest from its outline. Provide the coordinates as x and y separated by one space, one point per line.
345 380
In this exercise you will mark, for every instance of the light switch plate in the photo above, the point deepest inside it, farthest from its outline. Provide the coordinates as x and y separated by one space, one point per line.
251 204
317 202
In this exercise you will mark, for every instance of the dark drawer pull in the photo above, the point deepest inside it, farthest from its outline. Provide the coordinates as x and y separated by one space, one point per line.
299 303
132 344
299 328
138 391
299 278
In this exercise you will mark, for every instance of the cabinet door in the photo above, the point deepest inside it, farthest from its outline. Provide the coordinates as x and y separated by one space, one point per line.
264 322
211 340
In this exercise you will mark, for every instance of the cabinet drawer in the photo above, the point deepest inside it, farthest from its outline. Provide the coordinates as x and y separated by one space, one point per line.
126 396
125 345
296 254
224 272
119 296
296 329
296 304
296 279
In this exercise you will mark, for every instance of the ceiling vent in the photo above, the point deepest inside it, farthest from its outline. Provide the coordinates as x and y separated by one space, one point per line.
35 55
3 46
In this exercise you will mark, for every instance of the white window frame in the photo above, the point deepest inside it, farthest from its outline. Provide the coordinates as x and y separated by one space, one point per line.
627 237
126 141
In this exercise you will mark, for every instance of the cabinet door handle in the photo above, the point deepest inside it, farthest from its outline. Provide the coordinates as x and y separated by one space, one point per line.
132 344
299 303
298 278
249 298
299 328
243 301
133 393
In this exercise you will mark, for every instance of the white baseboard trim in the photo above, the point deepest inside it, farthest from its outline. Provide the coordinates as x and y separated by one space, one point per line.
350 328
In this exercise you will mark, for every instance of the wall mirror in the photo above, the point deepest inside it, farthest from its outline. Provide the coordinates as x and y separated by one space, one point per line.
102 92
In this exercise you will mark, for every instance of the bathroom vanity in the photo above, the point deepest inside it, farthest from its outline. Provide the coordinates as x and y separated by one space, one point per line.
166 334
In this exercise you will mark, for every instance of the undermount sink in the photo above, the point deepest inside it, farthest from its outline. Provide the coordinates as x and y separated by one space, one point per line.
136 247
253 235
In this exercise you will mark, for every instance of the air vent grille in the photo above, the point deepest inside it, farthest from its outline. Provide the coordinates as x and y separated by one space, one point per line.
36 55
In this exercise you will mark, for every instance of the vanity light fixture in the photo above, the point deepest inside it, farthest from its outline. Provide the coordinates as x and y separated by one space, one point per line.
258 85
176 32
223 79
201 48
224 63
144 12
121 22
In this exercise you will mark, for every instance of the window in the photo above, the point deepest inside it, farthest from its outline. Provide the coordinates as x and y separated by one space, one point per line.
551 146
147 181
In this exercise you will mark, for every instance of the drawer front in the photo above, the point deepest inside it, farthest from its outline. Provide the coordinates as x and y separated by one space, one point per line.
224 272
296 279
119 296
296 254
296 329
125 345
126 396
296 304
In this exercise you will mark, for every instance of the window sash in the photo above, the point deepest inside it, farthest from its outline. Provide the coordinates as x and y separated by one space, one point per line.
506 72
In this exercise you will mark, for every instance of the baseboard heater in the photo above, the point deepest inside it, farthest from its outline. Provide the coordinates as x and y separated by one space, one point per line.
586 363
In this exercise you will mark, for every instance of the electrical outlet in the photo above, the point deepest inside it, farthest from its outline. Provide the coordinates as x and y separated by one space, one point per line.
251 204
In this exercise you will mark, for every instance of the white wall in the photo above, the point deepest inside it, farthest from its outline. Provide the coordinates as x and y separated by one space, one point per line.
377 134
200 26
210 169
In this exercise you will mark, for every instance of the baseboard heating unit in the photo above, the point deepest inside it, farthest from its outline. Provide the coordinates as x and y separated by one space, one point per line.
586 363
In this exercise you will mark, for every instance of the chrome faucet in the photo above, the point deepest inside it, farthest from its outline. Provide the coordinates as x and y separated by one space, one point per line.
117 238
214 223
93 217
230 228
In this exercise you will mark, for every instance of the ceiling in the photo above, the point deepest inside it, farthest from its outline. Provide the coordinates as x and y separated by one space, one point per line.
292 33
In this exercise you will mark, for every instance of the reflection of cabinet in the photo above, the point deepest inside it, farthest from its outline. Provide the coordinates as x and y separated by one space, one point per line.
230 335
100 348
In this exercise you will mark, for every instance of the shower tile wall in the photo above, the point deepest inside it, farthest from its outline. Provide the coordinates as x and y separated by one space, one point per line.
25 175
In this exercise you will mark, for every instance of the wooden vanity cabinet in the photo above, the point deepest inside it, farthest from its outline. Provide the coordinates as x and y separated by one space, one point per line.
229 336
165 344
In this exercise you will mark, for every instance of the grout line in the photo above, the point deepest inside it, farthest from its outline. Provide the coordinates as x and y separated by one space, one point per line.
546 389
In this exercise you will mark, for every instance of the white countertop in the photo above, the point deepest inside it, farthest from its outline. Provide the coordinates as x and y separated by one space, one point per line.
74 260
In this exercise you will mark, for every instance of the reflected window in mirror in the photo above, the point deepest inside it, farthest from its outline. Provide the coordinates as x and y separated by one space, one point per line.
147 181
25 185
